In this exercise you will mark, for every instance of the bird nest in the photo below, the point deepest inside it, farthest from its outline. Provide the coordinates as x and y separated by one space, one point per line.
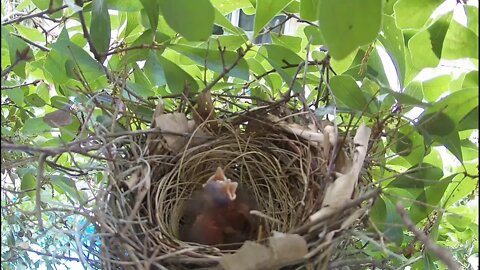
303 178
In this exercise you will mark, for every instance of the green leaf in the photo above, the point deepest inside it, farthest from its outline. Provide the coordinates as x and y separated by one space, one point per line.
291 42
278 56
344 30
409 144
308 9
34 126
29 181
472 17
128 6
151 9
393 223
419 176
34 100
215 60
347 92
266 10
392 39
470 80
16 95
460 42
192 19
222 21
67 186
470 121
426 45
177 79
62 51
100 26
461 186
413 13
30 33
154 71
429 199
313 33
227 6
442 117
436 87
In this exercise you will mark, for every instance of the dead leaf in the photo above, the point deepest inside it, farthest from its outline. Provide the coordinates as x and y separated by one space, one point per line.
58 118
174 126
282 250
340 191
204 110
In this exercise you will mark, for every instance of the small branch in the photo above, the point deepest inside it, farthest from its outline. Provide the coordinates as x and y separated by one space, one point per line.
138 47
21 85
11 67
226 70
38 199
30 16
41 47
442 253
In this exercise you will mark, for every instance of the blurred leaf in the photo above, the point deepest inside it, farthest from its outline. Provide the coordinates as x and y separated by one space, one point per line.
100 26
393 223
308 9
392 39
429 199
192 19
414 14
278 56
419 176
460 42
461 186
154 71
29 181
344 30
426 45
16 95
313 33
227 6
34 126
151 9
265 11
470 121
34 100
65 185
128 6
215 60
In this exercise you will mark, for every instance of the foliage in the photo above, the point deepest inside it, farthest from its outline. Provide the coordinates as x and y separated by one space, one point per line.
72 69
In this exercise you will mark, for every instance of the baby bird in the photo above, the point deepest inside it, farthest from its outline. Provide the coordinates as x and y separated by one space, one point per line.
219 214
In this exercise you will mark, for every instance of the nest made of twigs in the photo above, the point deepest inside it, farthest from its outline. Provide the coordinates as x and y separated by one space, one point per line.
286 172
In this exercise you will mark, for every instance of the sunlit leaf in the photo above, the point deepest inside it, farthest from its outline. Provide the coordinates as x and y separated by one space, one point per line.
344 30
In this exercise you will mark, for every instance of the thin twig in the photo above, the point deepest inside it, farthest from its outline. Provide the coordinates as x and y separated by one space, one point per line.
445 255
38 198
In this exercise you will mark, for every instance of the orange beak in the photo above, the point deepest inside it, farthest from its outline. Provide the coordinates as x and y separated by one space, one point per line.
227 185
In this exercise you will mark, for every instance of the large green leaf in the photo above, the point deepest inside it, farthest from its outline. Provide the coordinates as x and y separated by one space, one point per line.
308 9
67 186
100 26
344 30
215 60
435 87
278 56
34 126
154 71
29 182
177 79
266 10
151 9
413 13
460 42
192 19
426 45
64 51
418 177
429 199
441 118
227 6
128 6
461 185
347 93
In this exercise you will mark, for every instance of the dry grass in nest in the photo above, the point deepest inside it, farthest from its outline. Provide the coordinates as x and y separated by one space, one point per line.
287 175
